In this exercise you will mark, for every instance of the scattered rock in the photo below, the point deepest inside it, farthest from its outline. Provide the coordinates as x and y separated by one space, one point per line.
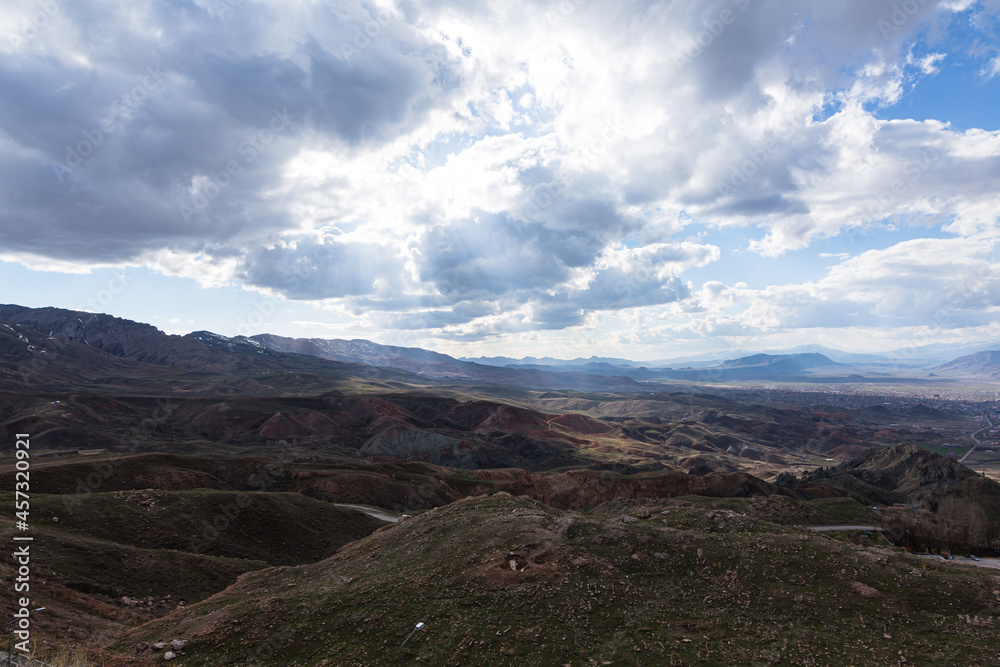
785 480
864 590
169 655
158 646
178 644
141 646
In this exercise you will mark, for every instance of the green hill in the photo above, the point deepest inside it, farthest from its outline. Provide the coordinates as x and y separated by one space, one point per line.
501 580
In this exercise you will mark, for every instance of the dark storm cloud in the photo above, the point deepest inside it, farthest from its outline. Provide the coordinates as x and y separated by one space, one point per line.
177 144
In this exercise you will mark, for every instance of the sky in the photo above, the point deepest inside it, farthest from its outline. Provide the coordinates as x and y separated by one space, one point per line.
565 178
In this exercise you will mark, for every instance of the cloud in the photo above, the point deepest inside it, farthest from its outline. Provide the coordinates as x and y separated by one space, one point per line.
939 283
992 69
183 143
489 168
316 271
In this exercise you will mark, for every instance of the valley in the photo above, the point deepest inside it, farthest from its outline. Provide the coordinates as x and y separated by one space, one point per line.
269 507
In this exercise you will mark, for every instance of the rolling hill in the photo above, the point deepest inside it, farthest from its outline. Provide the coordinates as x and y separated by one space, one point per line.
501 580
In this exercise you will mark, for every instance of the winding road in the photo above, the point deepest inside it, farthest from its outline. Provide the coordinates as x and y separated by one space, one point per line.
975 440
381 514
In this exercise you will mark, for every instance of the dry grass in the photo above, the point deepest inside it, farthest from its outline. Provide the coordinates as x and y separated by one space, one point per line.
43 654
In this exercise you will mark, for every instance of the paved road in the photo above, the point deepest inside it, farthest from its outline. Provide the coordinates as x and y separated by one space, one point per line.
827 529
383 515
993 563
975 440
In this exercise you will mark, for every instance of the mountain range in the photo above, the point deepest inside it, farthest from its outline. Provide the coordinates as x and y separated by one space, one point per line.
55 347
923 356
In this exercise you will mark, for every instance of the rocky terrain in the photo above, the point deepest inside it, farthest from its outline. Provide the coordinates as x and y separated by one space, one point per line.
904 473
502 580
106 560
148 535
536 431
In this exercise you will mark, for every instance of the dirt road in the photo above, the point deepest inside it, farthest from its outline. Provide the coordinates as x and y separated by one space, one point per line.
383 515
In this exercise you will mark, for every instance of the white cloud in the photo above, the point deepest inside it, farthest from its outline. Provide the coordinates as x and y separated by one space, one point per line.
491 168
992 69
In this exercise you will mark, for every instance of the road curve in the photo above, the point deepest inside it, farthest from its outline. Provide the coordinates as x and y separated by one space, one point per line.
975 440
382 515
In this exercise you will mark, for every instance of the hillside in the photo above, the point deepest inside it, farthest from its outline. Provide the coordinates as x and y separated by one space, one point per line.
150 534
905 473
457 428
62 350
52 350
508 581
446 427
107 560
981 364
275 528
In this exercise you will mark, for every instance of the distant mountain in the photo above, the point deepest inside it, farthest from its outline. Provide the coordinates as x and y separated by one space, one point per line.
941 352
981 364
549 361
53 348
56 331
836 355
758 365
767 367
918 357
773 367
783 362
362 351
596 368
704 359
441 366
